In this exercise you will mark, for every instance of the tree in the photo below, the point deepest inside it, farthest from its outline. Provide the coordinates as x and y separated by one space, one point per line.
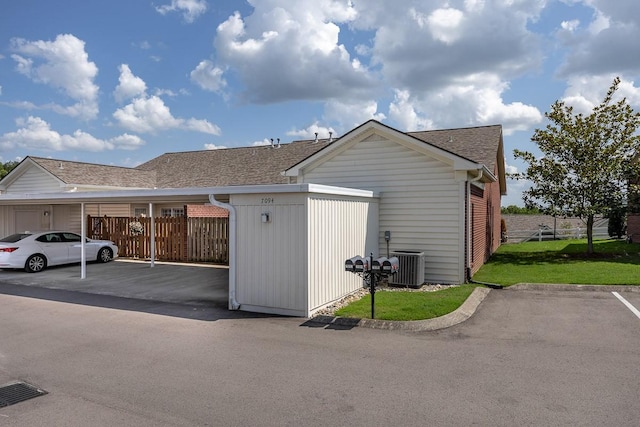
7 167
513 209
586 160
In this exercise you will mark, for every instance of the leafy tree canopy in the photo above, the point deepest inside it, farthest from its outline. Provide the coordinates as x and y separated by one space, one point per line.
586 160
7 167
513 209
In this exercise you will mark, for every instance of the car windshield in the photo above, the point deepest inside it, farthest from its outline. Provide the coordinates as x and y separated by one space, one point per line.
14 237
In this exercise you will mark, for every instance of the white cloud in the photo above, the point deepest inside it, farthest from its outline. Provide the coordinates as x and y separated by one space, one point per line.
36 134
606 44
208 76
64 65
190 9
404 113
511 169
213 147
351 112
128 142
286 51
570 26
423 45
583 93
310 132
475 100
129 86
150 115
444 24
265 141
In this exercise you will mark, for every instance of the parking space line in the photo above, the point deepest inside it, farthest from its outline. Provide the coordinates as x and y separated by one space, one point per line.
628 304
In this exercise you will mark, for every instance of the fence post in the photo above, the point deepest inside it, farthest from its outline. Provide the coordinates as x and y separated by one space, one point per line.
539 234
185 240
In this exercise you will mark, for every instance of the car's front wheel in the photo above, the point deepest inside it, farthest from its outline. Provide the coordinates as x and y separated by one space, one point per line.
35 263
105 255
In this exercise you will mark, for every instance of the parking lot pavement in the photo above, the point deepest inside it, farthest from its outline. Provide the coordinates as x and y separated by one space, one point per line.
524 358
192 284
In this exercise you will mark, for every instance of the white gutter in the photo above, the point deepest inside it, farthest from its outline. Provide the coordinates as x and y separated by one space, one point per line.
233 303
469 237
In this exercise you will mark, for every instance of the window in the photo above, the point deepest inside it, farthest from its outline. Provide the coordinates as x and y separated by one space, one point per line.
173 212
140 212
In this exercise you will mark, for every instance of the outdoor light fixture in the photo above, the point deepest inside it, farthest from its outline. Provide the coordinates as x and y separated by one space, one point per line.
266 217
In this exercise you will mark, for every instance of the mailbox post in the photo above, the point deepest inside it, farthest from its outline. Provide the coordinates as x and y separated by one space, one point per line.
371 270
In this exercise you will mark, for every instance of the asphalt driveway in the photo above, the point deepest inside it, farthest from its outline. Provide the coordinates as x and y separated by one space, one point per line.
526 358
191 284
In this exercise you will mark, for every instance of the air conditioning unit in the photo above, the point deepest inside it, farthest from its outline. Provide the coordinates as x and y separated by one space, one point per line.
411 269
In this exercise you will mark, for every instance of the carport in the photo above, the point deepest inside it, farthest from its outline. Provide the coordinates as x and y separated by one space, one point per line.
287 242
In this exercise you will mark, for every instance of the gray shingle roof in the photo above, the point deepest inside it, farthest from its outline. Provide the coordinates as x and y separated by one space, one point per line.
81 173
229 166
478 144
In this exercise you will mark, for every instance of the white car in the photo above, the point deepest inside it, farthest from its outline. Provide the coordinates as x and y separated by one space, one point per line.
35 251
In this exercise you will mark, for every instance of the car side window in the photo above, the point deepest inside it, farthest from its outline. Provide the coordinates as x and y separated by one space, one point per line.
71 237
49 238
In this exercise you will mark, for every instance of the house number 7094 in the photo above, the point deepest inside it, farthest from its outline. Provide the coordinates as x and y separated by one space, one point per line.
267 200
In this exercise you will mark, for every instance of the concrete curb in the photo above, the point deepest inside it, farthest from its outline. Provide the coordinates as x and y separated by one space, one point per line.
565 287
463 312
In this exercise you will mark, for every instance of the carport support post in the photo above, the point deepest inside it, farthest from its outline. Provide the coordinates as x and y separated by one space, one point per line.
83 236
152 237
372 289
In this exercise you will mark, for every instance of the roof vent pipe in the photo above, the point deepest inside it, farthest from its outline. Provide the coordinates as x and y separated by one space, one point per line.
278 146
316 140
330 136
272 142
60 167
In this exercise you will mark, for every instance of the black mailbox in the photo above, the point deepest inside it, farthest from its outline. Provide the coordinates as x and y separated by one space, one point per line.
361 264
350 264
376 265
390 265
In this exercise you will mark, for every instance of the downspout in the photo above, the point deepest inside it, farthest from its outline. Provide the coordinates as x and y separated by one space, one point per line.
469 237
233 304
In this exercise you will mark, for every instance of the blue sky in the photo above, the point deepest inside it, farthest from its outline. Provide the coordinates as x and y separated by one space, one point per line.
120 82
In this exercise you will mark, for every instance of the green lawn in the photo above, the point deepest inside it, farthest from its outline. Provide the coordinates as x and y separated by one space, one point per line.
408 305
614 262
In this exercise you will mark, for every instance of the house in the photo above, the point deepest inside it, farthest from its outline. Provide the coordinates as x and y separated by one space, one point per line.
298 210
439 190
206 168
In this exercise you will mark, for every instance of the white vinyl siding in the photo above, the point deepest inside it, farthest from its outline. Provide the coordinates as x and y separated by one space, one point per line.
108 209
271 256
66 217
34 180
294 263
419 200
338 230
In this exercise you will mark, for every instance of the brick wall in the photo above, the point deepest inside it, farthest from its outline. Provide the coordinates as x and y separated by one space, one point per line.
206 211
485 223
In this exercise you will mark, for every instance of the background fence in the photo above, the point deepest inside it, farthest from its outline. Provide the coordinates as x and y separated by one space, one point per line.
547 233
176 238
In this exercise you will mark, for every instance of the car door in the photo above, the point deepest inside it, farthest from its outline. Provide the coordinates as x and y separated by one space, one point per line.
74 242
54 248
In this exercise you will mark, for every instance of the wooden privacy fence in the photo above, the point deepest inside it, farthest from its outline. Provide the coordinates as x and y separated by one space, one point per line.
176 238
